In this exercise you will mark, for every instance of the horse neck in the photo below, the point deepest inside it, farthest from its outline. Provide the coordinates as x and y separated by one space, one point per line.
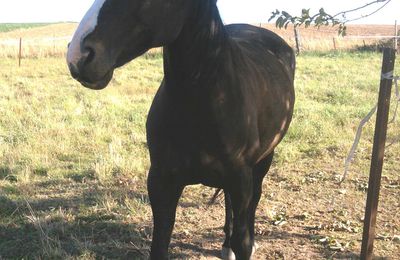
196 55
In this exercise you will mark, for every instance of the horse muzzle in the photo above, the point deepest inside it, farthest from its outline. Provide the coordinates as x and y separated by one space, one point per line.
89 65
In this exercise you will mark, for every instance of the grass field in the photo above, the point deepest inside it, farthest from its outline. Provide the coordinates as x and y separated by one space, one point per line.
73 166
6 27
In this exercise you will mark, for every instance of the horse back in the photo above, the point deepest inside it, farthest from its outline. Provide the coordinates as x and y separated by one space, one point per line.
253 38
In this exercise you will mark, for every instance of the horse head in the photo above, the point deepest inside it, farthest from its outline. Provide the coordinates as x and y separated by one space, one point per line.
113 32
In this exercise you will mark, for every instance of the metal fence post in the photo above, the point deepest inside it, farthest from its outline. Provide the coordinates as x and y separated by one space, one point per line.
378 153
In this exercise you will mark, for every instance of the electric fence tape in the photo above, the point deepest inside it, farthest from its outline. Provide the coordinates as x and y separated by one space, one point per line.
353 149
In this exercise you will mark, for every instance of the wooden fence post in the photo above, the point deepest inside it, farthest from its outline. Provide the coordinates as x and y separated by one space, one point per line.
396 33
334 43
54 44
297 37
20 52
378 152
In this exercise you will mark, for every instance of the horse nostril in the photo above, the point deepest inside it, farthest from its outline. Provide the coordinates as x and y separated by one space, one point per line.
89 55
74 70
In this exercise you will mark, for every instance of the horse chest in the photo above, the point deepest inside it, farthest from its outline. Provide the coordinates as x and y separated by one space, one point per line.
185 147
189 161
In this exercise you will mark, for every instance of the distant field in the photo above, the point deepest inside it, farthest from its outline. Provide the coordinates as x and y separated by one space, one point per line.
42 41
326 38
39 32
6 27
352 30
50 40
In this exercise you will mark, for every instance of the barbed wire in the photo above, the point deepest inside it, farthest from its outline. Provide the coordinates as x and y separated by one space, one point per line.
334 32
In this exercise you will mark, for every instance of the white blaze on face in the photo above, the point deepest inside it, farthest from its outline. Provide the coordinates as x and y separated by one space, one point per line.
86 26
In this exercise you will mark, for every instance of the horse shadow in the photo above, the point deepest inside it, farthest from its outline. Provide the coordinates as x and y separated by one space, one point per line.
57 227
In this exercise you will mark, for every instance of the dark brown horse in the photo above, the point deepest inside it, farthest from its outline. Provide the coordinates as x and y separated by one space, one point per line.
225 102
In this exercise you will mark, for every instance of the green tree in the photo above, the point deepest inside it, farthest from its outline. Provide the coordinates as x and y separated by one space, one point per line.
322 18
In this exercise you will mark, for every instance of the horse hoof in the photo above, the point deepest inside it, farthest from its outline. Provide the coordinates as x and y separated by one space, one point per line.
254 249
227 254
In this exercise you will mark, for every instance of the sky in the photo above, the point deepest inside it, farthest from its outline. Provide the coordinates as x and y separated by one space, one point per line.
232 11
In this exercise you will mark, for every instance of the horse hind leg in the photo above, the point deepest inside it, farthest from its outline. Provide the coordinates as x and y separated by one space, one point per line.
240 190
259 172
227 253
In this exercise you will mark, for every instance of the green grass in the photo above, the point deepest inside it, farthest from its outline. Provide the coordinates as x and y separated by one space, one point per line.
73 162
7 27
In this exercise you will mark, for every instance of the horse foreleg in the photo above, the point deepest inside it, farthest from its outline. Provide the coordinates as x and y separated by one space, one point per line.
164 196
